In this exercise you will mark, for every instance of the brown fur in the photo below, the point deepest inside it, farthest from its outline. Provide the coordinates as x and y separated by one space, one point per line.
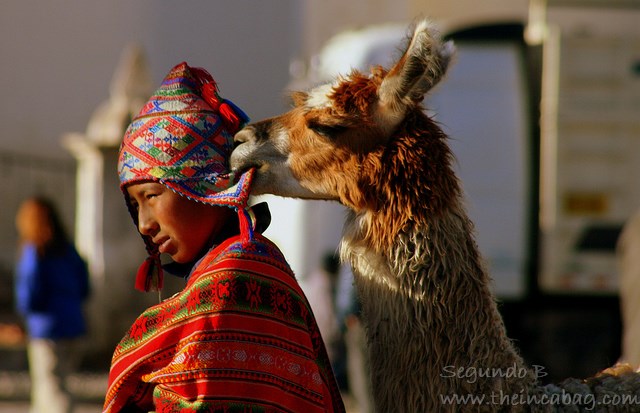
425 293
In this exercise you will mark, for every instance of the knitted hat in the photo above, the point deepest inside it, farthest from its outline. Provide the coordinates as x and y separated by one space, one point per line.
182 138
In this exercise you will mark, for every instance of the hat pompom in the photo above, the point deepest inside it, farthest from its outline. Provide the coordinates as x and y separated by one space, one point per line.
232 116
210 95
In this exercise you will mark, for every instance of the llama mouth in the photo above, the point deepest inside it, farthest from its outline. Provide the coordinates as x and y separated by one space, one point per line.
244 167
239 164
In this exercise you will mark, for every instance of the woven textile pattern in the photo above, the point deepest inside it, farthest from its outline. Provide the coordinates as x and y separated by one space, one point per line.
180 140
183 138
240 337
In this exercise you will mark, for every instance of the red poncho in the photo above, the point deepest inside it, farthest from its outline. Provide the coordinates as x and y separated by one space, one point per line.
240 337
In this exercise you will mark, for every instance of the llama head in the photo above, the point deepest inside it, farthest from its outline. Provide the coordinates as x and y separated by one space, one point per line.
332 144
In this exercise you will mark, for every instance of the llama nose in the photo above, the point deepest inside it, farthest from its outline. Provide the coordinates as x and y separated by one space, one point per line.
241 137
261 131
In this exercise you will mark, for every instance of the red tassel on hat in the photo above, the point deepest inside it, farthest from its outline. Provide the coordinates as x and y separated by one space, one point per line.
229 117
248 222
232 116
209 93
149 276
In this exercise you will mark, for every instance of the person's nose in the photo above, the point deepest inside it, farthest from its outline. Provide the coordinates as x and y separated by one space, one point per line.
147 225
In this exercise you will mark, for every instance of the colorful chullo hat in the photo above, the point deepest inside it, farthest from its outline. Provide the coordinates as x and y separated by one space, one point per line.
182 138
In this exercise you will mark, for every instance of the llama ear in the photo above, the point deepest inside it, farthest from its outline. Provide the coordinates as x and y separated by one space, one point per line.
420 68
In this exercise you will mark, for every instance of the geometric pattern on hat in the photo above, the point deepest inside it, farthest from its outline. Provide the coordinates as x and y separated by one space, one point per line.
181 139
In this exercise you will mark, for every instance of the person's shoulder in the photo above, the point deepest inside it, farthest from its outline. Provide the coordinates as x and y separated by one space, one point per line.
259 245
71 252
258 248
29 249
28 257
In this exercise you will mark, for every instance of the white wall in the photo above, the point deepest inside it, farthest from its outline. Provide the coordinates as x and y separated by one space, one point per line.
456 14
58 57
323 19
596 21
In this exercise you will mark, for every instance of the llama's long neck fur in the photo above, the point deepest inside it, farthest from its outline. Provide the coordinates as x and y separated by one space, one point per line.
431 319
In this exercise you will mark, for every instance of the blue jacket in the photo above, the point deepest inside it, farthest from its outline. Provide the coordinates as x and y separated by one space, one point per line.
50 291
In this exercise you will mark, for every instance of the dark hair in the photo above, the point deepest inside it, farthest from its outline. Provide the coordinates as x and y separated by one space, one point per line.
40 212
331 263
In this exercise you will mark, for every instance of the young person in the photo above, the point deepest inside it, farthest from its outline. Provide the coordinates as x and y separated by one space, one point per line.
240 337
51 286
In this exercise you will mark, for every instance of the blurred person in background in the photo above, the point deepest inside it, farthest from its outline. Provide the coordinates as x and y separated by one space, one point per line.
353 334
356 362
319 286
51 286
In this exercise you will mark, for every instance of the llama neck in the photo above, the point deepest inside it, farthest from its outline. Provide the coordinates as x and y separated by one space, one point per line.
429 311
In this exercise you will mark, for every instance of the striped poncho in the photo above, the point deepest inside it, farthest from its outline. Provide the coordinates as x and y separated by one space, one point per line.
240 337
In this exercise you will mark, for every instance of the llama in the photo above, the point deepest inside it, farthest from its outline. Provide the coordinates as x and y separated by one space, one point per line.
436 339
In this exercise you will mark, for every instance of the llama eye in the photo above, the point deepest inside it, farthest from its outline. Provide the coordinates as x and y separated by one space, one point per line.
328 131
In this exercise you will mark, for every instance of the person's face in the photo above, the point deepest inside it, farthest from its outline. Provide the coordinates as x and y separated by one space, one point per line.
178 226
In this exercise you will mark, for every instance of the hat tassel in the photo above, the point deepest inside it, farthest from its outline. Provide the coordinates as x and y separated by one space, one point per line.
247 224
150 275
